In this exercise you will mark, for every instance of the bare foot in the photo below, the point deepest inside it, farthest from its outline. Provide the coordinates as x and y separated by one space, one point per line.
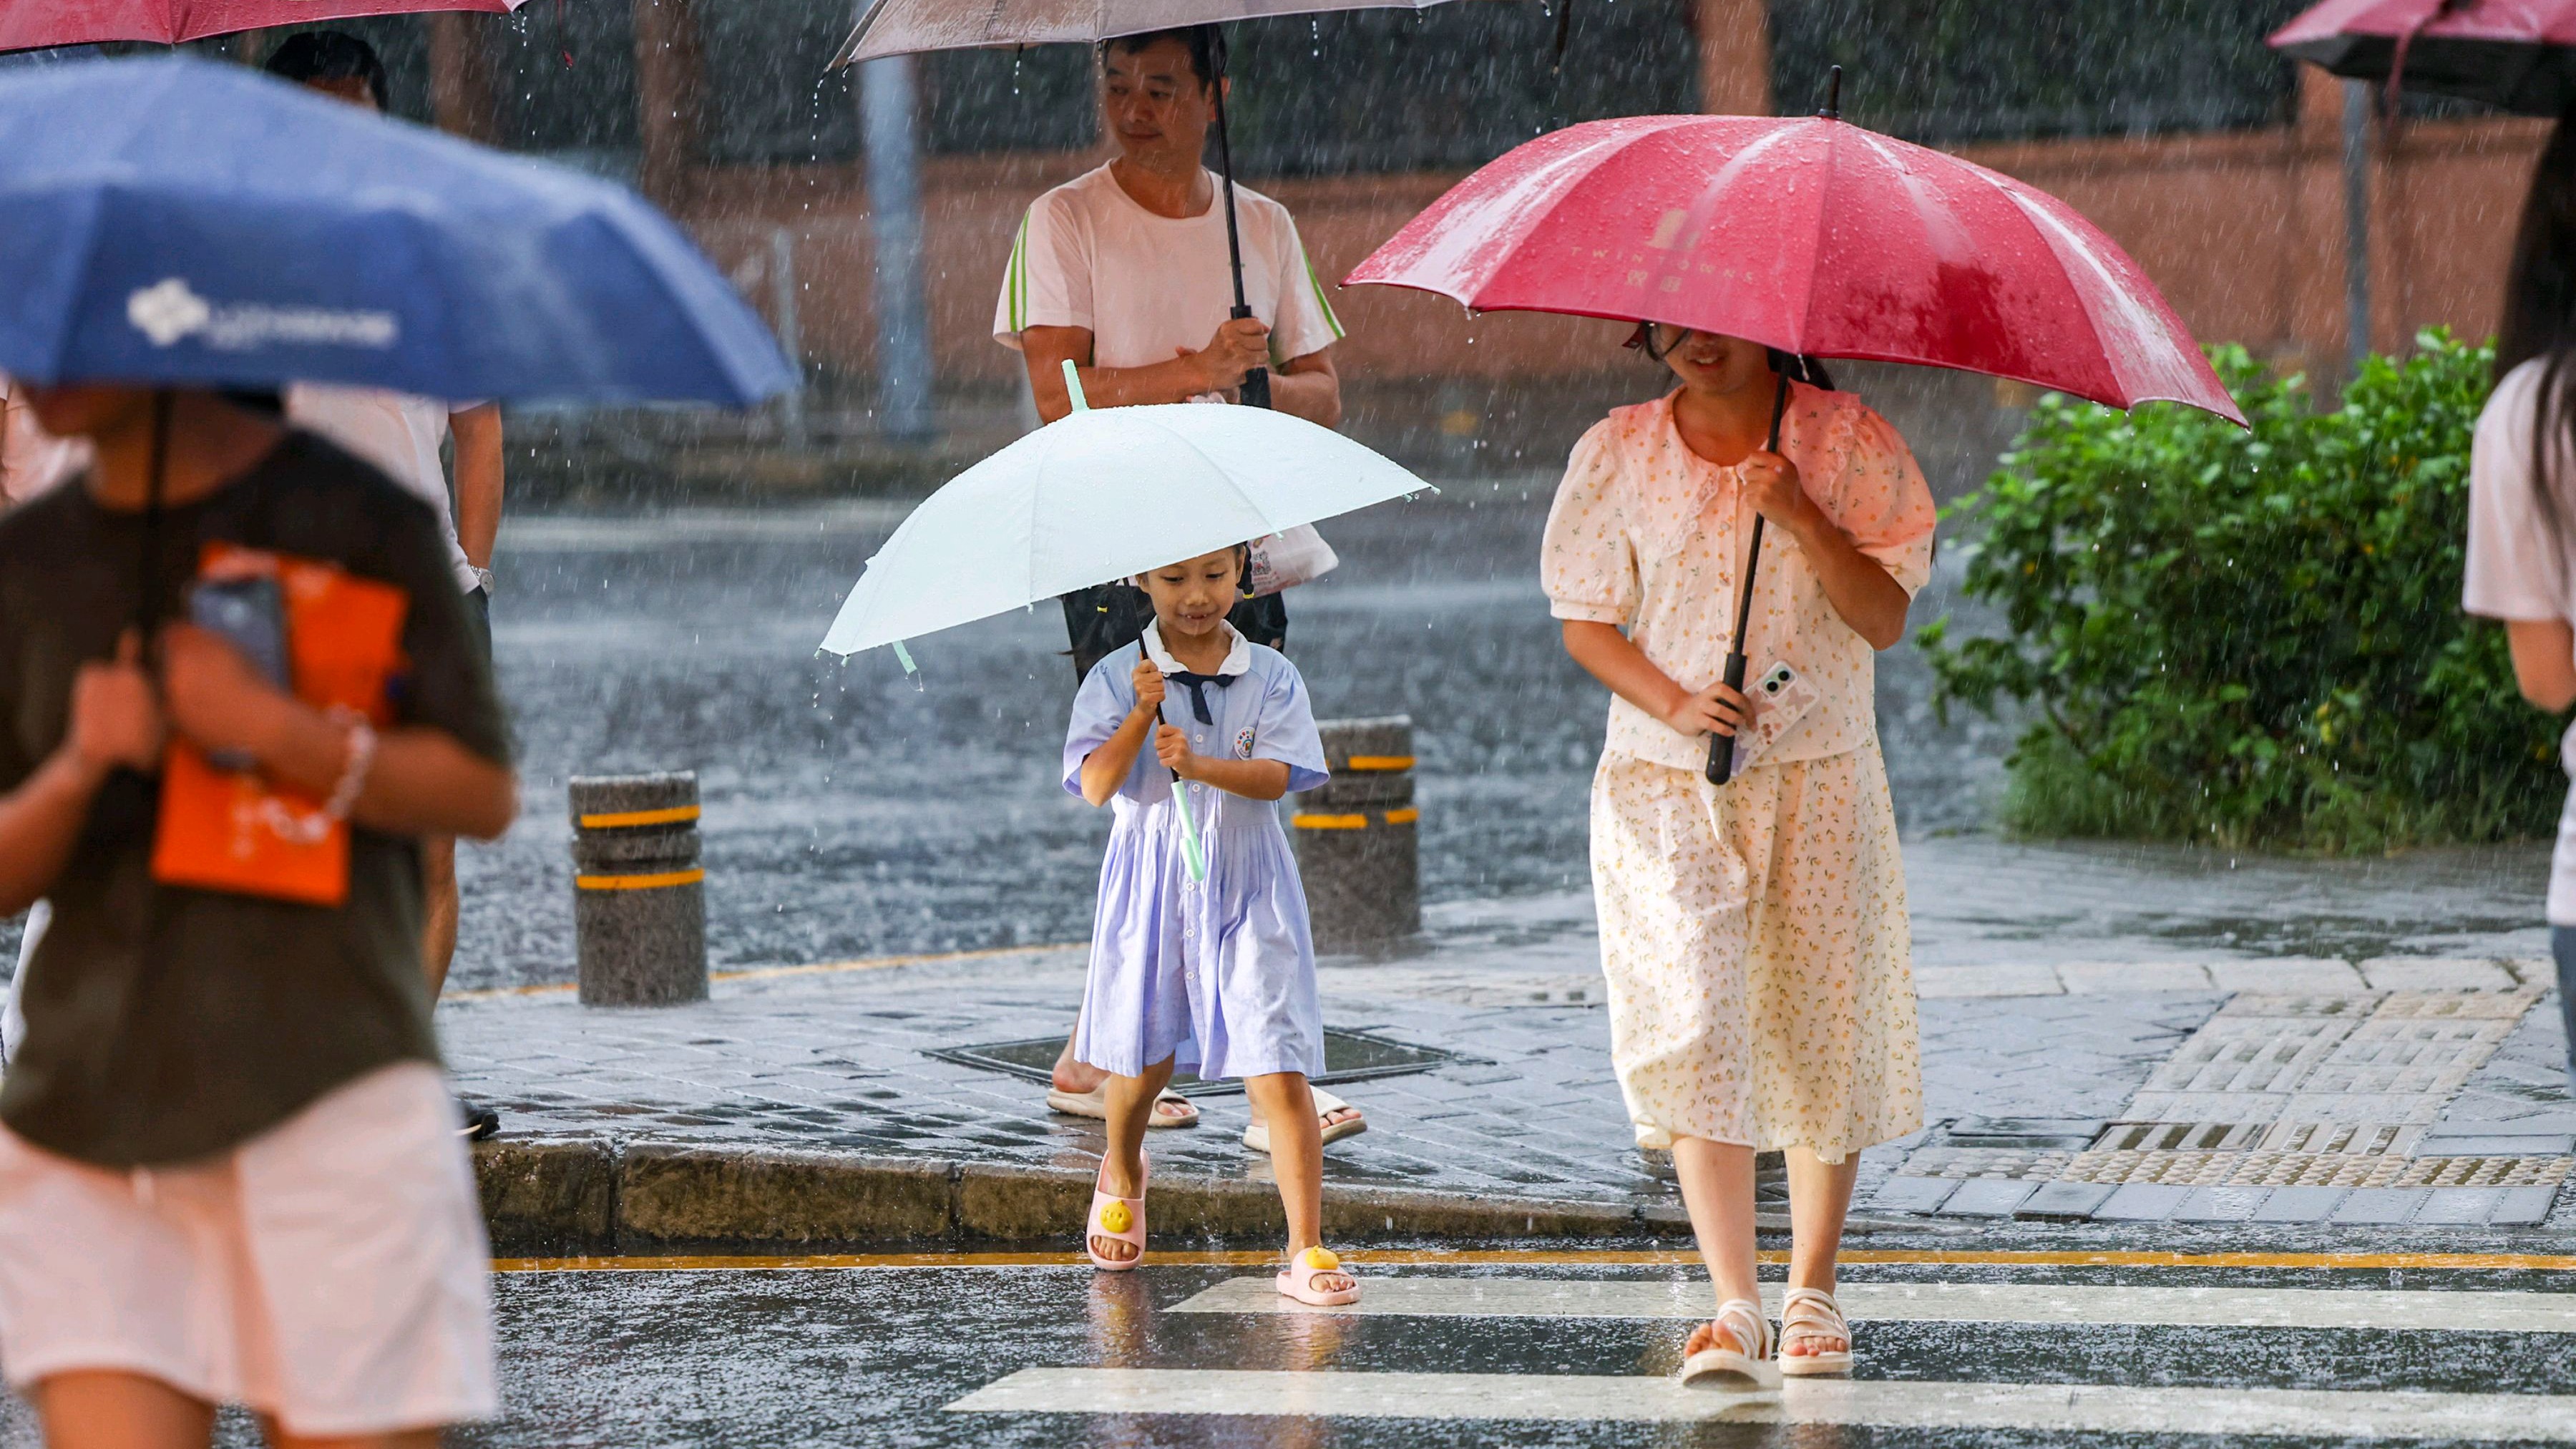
1714 1334
1327 1282
1115 1250
1072 1074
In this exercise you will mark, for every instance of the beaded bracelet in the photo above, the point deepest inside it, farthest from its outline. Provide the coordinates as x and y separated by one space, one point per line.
362 758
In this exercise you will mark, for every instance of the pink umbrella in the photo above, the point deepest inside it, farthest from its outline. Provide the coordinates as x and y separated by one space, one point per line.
36 24
1814 237
2516 54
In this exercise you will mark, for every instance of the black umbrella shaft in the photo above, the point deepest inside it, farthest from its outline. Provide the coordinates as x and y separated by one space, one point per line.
153 600
1721 748
1256 383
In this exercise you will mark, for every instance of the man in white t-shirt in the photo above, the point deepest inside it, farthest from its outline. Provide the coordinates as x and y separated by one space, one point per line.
1125 272
403 435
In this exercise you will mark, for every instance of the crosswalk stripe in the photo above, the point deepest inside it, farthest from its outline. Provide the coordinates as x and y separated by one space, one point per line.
2058 1408
2038 1303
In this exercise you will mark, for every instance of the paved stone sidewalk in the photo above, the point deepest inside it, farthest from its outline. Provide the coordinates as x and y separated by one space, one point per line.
2028 1063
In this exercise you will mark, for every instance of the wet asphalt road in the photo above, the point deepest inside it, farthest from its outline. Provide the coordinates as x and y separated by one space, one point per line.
871 1356
874 1356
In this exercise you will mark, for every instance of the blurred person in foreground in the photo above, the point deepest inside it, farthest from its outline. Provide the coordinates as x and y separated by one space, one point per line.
1124 271
228 1164
2522 499
31 462
402 435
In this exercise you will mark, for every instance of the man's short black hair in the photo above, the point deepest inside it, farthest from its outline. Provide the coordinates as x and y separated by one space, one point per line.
1201 41
329 55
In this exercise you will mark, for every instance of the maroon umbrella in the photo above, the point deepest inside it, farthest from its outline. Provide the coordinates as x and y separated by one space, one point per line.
2517 55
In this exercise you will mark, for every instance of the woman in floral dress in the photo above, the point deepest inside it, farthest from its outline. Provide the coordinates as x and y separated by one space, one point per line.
1754 933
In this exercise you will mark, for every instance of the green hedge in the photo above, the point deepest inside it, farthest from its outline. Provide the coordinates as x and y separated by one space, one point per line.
2251 638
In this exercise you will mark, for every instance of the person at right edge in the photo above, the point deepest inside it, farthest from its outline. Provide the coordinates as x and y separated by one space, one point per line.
229 1169
1753 934
2522 500
1124 272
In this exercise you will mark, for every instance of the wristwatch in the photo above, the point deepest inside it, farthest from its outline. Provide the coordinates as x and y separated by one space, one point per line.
482 579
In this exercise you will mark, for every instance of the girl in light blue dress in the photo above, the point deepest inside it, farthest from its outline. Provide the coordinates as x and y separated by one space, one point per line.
1200 954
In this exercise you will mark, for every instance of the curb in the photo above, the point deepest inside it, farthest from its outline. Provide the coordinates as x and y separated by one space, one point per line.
594 1197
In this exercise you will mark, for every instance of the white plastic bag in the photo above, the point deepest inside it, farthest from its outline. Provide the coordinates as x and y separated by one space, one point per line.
1286 559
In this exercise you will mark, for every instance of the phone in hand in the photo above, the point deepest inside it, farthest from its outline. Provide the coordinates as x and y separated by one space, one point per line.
250 614
1778 700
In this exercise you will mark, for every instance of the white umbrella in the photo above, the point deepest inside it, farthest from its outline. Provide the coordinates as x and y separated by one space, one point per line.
1103 494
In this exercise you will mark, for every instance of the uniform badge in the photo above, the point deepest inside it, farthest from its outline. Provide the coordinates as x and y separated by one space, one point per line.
1243 744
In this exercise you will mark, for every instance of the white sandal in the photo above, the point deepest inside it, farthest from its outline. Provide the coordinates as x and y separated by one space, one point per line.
1813 1313
1748 1370
1257 1136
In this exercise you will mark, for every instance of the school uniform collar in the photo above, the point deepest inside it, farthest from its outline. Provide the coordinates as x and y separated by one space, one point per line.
1238 655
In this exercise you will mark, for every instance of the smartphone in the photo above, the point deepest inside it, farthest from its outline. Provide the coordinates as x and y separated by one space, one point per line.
250 614
1779 699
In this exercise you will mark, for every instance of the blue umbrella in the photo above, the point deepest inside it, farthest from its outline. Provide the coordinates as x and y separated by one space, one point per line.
179 222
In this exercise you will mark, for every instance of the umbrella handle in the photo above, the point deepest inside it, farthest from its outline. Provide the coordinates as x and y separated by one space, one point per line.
1193 854
1721 748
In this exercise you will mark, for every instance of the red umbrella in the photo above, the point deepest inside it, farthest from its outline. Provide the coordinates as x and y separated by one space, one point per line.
2516 54
1814 237
36 24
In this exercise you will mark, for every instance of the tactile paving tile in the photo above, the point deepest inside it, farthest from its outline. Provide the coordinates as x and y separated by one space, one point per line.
2484 1172
1987 1162
2272 1004
2282 1090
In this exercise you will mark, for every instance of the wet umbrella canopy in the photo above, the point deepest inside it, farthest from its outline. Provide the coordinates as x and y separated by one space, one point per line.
1816 238
180 222
2519 55
35 24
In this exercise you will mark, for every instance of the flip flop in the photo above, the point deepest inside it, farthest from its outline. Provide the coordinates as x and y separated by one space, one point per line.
1297 1280
1171 1109
1122 1218
1257 1136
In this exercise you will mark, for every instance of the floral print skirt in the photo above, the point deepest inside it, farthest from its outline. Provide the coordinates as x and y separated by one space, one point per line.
1759 960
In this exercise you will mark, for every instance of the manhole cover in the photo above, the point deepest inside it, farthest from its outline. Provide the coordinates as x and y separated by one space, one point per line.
1349 1056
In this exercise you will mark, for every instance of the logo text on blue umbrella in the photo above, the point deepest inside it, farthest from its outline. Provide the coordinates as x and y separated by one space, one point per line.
170 312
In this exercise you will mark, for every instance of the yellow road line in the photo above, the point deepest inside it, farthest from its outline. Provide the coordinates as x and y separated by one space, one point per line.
1329 822
638 882
766 973
1551 1257
1403 817
1379 762
628 819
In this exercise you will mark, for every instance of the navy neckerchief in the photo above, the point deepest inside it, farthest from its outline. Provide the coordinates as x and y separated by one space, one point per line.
1198 684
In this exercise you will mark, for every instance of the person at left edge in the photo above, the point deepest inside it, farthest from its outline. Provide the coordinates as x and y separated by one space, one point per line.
229 1170
402 434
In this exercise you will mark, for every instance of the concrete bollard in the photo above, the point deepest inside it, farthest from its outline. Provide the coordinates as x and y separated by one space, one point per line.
639 899
1356 844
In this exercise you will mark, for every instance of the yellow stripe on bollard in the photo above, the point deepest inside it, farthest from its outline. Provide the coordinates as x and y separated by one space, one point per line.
1405 816
1379 762
638 882
627 819
1330 822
